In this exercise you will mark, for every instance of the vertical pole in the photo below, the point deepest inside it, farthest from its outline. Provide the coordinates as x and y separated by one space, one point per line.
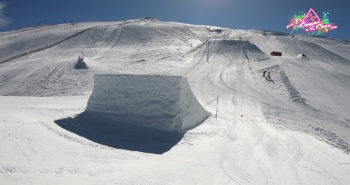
217 106
268 112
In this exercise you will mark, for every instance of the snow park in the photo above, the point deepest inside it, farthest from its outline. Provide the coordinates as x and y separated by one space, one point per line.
93 94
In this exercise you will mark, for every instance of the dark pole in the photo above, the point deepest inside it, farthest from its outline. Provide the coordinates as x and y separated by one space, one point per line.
217 106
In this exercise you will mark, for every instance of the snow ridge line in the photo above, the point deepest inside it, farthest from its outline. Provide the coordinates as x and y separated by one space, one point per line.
44 48
28 29
325 50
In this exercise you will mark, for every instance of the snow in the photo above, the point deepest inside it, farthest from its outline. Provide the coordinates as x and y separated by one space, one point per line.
301 55
295 127
160 102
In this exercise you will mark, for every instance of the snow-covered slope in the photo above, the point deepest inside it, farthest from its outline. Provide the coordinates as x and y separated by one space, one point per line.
291 129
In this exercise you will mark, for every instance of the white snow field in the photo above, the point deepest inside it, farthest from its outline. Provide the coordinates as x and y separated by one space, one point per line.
291 129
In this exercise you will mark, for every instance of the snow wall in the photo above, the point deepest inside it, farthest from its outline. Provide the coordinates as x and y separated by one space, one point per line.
165 103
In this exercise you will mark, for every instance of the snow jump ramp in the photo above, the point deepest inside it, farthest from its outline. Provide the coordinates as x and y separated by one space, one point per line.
148 113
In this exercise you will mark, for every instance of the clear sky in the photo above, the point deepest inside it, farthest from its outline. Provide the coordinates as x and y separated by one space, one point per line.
240 14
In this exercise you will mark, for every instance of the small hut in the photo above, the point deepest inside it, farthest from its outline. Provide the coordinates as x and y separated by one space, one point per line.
276 53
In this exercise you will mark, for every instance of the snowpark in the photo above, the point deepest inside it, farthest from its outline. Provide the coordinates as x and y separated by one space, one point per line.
239 127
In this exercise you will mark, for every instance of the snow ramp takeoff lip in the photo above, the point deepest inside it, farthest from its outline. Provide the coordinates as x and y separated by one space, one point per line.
234 49
148 113
160 102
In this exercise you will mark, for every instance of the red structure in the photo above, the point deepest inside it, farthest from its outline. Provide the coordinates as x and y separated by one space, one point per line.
276 53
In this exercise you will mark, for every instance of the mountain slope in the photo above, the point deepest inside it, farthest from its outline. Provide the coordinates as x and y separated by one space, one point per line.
291 129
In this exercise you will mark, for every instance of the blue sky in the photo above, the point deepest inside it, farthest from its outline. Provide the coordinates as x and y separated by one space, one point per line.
240 14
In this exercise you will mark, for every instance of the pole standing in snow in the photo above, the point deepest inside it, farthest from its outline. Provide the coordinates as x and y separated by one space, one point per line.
217 106
268 112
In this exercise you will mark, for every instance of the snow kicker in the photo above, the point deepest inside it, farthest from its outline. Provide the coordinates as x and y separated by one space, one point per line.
148 113
166 101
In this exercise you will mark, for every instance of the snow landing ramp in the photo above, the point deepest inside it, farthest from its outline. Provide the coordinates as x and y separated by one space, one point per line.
148 113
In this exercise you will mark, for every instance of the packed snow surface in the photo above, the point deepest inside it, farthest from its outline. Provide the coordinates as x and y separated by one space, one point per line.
153 101
291 129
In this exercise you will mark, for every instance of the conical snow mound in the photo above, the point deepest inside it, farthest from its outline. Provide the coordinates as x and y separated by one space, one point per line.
164 103
81 64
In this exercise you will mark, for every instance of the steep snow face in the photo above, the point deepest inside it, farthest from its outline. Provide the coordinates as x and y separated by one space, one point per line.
160 102
290 129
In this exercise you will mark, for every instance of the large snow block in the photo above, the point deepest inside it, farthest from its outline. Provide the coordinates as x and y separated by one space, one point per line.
164 103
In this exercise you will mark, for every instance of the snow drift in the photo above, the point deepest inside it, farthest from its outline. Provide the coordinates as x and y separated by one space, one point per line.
160 102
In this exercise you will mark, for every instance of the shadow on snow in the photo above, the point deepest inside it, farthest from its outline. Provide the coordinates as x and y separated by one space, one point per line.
118 135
